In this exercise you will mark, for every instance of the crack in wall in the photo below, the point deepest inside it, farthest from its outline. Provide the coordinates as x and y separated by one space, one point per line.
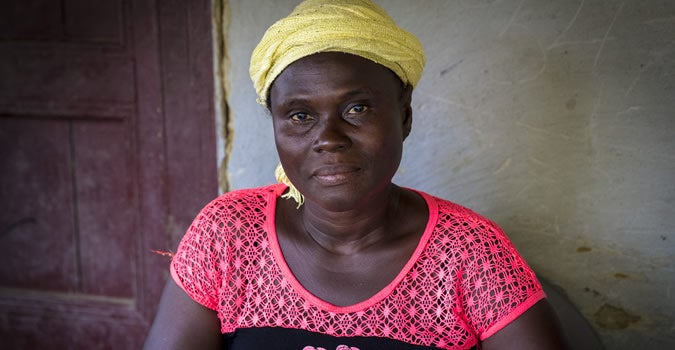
224 120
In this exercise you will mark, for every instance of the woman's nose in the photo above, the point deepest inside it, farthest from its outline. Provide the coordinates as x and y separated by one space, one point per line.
332 136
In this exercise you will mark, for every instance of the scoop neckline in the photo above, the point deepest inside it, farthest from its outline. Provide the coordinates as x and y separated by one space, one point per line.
288 275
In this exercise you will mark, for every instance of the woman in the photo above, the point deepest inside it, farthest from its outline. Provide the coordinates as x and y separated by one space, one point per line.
337 256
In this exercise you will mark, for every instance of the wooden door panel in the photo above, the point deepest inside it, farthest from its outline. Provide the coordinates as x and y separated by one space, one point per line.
46 20
96 21
65 81
37 241
106 207
68 321
107 150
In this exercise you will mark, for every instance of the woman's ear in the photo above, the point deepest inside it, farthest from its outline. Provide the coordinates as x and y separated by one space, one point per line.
406 110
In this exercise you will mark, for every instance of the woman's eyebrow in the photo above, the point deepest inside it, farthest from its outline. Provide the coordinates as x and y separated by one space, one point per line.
355 92
294 100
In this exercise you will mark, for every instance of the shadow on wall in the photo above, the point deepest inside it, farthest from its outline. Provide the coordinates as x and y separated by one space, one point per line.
576 329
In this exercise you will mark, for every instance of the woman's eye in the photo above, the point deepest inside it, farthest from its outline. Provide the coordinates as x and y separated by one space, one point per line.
301 117
357 109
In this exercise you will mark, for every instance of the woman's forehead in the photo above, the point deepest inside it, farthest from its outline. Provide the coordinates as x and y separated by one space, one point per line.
340 60
333 70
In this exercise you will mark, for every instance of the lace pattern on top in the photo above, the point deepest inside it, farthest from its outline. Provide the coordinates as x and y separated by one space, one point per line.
466 282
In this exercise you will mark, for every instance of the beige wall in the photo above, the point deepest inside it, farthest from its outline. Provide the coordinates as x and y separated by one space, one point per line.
554 118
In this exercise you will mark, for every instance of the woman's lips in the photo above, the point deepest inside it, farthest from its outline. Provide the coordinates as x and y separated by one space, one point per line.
335 174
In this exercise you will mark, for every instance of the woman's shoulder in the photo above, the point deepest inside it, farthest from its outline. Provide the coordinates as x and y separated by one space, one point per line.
229 214
233 208
244 199
454 226
458 214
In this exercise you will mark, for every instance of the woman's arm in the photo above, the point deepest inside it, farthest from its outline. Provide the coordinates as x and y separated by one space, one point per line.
536 328
182 323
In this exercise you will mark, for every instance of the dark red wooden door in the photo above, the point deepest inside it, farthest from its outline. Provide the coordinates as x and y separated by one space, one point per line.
107 150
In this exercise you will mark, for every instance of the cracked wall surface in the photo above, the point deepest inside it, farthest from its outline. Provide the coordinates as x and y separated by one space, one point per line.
553 118
221 67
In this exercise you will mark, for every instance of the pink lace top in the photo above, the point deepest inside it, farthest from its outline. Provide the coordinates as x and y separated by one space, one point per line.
464 282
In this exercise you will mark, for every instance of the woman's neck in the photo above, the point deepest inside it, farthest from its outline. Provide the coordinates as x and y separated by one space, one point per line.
350 232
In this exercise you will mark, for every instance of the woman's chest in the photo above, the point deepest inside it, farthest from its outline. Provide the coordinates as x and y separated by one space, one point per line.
345 280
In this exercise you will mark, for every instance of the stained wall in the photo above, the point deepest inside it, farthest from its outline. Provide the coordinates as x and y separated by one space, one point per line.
553 118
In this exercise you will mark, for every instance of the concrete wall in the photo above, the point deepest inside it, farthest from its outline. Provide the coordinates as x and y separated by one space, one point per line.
552 117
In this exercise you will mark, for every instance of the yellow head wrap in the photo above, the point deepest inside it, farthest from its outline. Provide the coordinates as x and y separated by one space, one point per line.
358 27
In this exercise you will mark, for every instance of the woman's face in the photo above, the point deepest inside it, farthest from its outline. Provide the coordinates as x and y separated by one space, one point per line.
339 125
